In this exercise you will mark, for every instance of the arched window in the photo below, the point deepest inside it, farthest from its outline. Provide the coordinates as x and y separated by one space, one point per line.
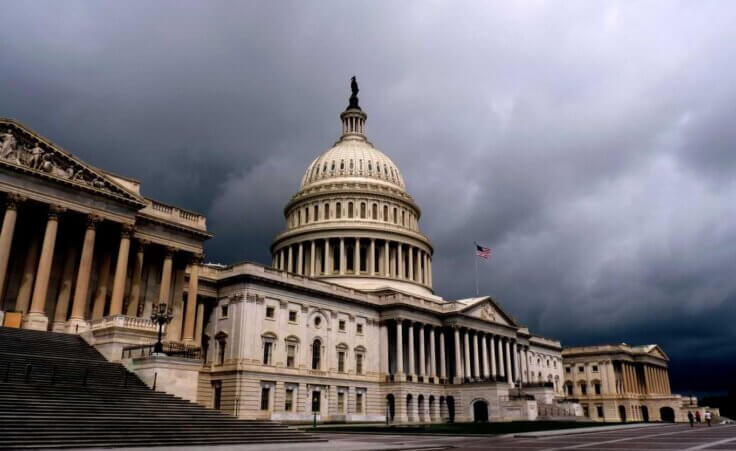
342 165
327 211
292 344
385 213
396 216
362 210
306 215
269 343
316 354
359 359
403 218
316 212
374 216
350 209
338 210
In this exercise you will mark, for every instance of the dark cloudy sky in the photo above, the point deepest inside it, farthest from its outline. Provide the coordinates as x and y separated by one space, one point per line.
591 144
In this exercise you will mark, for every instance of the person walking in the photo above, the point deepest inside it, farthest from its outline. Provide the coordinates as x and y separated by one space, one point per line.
708 417
697 416
690 418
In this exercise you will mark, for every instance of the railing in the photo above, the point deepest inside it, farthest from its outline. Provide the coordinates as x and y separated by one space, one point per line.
124 321
170 349
176 214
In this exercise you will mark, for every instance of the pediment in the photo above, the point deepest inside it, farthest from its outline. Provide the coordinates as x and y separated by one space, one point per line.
487 310
24 150
657 352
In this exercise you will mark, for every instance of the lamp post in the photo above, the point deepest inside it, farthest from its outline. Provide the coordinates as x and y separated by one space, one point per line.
161 315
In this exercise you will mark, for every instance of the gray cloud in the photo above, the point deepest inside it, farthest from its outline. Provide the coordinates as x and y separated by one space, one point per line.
589 144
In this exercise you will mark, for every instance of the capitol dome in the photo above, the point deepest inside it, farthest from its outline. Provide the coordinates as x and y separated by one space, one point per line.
352 222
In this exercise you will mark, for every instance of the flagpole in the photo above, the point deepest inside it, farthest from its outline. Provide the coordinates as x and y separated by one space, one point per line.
476 276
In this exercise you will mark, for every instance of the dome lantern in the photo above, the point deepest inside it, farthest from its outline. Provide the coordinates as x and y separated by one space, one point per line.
353 118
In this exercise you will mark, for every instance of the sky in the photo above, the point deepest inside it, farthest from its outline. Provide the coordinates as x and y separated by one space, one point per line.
590 144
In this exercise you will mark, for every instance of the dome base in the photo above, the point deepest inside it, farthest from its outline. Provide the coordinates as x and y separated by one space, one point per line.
378 283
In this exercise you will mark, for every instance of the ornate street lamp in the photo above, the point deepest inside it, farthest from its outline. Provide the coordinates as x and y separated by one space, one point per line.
161 315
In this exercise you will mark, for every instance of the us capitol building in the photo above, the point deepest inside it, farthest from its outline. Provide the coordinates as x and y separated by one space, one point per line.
343 325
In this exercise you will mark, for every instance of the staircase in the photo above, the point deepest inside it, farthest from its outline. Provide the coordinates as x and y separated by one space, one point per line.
56 391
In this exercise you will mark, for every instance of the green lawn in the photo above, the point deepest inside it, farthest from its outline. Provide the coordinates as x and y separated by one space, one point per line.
461 428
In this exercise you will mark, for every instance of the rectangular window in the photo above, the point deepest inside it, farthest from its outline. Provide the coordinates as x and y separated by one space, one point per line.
270 311
289 400
359 363
359 329
267 347
599 411
290 355
341 325
586 411
292 316
567 369
223 311
340 402
584 390
597 389
341 362
265 391
595 368
581 369
359 403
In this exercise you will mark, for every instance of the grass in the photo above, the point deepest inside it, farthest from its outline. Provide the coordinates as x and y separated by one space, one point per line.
462 428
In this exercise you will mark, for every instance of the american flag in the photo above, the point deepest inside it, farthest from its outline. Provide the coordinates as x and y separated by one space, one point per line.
482 251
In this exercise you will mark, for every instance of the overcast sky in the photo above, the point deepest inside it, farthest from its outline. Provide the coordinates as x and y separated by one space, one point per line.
591 144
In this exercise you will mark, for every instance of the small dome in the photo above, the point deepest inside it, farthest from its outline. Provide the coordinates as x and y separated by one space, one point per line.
353 159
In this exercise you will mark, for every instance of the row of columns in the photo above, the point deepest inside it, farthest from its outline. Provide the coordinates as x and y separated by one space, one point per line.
478 355
657 380
382 258
40 271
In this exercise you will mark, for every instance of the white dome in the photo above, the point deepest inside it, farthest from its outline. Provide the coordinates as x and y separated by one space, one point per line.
353 158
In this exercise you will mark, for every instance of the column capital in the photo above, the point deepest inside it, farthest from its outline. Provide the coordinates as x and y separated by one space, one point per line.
13 199
169 251
143 243
55 211
126 230
196 259
93 221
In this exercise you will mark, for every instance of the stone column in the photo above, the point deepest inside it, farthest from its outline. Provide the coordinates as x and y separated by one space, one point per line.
383 357
189 314
281 260
410 337
410 257
356 257
312 259
484 353
492 343
386 260
135 283
458 357
399 261
6 237
432 355
399 350
36 318
501 358
300 261
98 306
290 259
429 270
525 365
422 357
23 298
65 290
466 341
77 320
476 361
121 272
443 363
343 260
200 324
326 250
165 289
510 375
372 258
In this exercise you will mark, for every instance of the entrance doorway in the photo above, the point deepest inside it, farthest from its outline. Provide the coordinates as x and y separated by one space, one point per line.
480 411
390 407
450 409
315 401
645 414
622 413
667 414
216 394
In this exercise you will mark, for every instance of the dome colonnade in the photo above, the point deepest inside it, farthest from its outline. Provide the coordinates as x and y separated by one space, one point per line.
352 220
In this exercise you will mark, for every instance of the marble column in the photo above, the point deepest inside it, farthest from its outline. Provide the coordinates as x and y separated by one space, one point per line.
399 261
484 354
121 272
507 352
432 355
410 339
200 324
192 290
386 260
399 350
383 357
476 353
492 344
65 290
77 319
326 257
466 342
422 357
36 318
356 257
135 283
165 289
6 238
312 259
443 363
372 258
410 257
100 298
23 298
290 259
300 261
458 357
343 260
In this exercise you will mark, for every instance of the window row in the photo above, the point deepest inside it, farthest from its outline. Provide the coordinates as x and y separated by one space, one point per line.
316 353
349 210
291 399
294 315
353 167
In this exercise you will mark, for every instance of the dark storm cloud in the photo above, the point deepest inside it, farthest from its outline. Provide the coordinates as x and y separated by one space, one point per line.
589 144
